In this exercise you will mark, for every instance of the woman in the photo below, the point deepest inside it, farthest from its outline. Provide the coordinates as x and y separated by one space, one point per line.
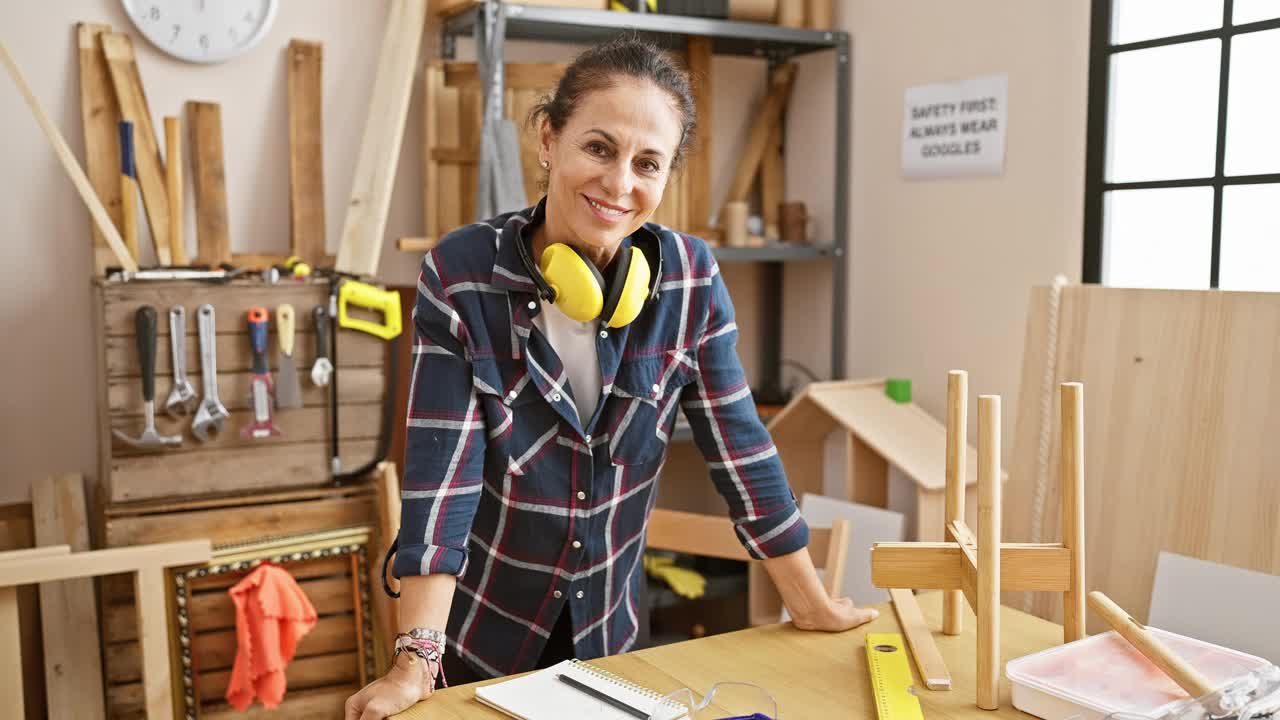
537 429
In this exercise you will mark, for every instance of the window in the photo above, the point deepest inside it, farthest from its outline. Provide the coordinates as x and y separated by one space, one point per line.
1183 169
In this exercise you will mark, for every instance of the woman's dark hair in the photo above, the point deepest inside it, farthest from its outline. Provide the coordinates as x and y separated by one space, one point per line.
601 65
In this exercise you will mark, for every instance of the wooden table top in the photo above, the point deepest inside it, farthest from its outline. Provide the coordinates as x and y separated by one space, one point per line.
811 674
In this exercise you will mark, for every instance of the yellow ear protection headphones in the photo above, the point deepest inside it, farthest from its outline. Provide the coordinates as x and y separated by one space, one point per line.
565 277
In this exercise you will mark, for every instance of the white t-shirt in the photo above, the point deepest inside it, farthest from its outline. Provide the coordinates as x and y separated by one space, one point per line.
575 343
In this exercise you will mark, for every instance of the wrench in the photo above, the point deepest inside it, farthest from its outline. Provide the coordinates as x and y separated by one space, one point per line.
211 414
323 367
182 398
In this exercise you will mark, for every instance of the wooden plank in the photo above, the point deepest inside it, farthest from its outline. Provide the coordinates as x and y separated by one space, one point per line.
237 524
388 485
449 198
213 609
217 649
306 150
302 674
359 351
327 702
358 385
36 552
366 218
17 532
303 425
766 117
698 169
11 653
174 176
470 117
103 562
210 178
152 507
705 535
118 49
432 83
212 471
151 592
69 164
1071 404
937 566
68 615
539 77
100 117
932 668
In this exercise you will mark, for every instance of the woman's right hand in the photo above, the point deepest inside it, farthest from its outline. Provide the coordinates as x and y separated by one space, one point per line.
409 680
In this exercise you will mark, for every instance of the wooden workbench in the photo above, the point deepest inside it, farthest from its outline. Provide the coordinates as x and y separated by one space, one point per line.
810 674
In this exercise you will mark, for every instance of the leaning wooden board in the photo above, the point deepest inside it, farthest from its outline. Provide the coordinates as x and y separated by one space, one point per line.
228 463
100 116
1180 428
118 49
68 616
326 667
306 151
208 169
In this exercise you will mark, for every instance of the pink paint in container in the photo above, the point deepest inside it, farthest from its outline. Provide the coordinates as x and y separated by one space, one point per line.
1103 674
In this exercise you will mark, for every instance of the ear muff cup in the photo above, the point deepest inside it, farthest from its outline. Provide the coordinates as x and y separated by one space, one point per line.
614 282
576 284
629 288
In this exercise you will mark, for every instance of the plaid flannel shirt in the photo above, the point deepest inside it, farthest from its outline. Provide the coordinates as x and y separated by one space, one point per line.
537 511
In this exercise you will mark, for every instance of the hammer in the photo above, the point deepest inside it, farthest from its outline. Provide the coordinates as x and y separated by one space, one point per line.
145 322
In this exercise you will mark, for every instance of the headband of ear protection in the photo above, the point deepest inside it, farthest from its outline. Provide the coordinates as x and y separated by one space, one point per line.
567 278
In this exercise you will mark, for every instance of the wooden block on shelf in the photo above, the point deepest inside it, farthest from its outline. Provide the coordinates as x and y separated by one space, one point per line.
306 151
210 174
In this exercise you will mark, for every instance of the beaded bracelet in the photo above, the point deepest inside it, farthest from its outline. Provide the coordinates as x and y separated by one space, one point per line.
426 644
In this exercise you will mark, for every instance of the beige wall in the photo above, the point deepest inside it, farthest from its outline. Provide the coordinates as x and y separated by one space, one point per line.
939 270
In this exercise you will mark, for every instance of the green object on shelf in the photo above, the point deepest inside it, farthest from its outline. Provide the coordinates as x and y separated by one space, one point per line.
898 389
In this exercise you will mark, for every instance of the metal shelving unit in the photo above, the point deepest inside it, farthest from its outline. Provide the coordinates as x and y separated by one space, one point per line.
729 37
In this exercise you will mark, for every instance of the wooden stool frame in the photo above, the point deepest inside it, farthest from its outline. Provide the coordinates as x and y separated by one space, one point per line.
979 568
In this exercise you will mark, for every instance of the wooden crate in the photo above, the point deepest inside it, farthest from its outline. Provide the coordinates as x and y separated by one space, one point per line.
330 662
299 457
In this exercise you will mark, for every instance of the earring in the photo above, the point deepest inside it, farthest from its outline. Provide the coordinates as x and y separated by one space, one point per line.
545 165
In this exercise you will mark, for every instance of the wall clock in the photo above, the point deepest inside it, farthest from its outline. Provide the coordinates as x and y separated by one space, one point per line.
202 31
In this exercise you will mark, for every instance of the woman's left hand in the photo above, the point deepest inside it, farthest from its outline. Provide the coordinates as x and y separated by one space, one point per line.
837 615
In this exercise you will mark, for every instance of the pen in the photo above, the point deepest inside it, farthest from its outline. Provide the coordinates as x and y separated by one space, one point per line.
633 712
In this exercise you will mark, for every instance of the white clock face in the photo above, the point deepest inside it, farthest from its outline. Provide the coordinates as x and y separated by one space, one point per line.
203 31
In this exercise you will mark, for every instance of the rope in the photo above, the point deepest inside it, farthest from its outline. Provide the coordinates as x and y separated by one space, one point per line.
1046 420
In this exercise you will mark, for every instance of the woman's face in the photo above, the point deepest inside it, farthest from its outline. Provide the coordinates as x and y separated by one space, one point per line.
609 165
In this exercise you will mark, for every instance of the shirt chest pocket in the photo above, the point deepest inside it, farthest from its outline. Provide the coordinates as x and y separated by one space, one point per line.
641 408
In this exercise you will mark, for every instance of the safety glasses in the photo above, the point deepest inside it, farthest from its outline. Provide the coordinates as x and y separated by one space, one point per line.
724 701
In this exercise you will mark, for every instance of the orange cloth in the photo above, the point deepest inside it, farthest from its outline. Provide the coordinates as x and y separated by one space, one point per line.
272 614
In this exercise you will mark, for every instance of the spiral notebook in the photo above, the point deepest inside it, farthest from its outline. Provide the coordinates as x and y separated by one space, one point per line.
539 696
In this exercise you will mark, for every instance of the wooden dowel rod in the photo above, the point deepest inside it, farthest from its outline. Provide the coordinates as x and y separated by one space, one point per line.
988 590
69 163
957 446
1187 677
1072 479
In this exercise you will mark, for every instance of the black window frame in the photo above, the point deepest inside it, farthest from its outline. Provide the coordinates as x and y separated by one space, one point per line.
1096 186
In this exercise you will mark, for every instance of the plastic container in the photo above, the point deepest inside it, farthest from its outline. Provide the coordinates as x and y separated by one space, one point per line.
1102 674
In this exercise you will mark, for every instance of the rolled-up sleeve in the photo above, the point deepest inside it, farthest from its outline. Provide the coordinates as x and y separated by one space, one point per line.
444 448
743 461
